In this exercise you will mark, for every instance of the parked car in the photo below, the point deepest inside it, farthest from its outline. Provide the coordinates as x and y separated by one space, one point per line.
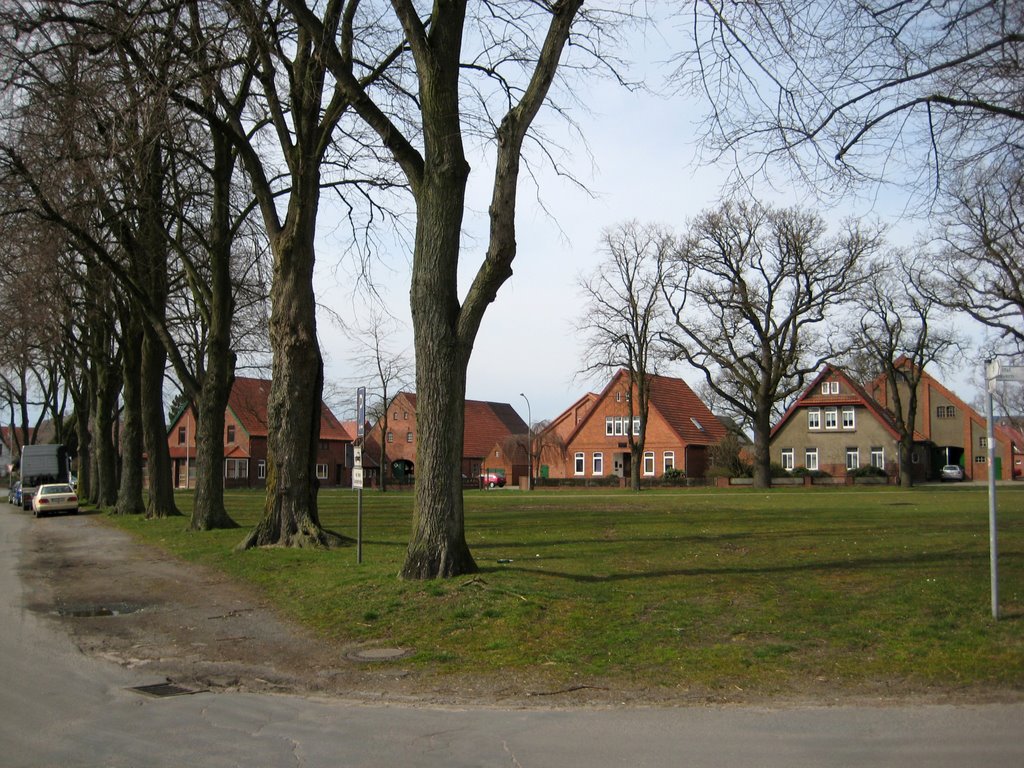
492 480
53 498
14 493
952 472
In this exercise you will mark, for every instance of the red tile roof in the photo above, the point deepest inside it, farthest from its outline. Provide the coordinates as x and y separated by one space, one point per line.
248 402
684 412
485 425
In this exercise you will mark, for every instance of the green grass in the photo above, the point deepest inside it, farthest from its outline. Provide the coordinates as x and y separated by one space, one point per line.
699 590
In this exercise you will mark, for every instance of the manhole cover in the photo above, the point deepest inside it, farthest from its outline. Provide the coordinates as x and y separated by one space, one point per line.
163 690
378 654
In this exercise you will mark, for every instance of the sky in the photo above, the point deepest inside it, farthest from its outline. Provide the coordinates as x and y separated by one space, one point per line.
640 161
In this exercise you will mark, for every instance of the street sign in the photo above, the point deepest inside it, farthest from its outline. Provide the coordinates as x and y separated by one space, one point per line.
361 412
996 371
357 478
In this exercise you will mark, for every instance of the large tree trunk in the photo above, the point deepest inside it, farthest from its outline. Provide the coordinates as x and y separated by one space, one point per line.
290 516
107 386
208 510
161 483
438 547
762 453
129 496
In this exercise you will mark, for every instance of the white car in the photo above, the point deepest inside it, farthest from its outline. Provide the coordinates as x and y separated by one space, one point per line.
57 497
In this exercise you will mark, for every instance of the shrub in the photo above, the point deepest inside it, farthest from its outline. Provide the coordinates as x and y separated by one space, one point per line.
868 471
805 472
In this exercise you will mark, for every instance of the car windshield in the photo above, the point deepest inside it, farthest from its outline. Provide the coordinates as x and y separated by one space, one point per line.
46 489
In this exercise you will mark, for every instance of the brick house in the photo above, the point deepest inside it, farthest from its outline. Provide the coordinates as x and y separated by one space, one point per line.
593 432
954 431
245 441
488 426
836 426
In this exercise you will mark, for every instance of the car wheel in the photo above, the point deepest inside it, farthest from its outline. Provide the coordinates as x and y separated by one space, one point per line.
490 484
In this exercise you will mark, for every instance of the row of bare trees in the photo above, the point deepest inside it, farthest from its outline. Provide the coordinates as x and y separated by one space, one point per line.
757 298
173 144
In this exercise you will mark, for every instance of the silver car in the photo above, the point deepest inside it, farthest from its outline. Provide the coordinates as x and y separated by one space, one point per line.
952 472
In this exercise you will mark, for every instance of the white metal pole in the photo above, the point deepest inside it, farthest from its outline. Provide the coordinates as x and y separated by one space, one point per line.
993 543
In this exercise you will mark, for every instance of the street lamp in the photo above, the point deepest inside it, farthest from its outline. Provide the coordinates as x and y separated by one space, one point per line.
529 441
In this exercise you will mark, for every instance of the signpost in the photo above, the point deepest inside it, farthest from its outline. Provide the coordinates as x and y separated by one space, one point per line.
357 468
994 372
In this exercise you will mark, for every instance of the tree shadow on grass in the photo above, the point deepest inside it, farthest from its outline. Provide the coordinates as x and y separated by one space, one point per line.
925 558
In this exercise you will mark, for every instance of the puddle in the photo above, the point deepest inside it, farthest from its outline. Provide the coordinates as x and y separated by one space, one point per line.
94 611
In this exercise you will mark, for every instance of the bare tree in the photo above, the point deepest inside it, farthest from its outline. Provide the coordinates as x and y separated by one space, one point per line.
384 371
852 89
982 261
512 52
751 289
625 316
895 333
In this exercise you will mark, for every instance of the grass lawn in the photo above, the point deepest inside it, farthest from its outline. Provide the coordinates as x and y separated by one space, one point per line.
689 592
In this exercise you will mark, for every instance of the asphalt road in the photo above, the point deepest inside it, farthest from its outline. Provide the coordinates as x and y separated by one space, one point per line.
61 708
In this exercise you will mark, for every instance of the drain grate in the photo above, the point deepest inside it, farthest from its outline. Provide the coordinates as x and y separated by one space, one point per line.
163 690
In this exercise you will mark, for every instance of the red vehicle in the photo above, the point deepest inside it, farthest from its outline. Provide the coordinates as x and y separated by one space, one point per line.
492 480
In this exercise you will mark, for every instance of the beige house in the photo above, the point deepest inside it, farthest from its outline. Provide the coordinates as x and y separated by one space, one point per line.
835 426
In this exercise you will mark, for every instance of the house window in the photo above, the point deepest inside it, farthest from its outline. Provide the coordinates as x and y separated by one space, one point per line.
321 471
814 418
830 387
579 468
405 415
408 437
236 469
181 435
811 459
980 459
670 460
609 426
852 459
395 417
231 433
618 397
849 419
618 425
636 425
831 418
598 463
391 436
261 469
649 463
878 457
824 388
945 411
983 442
787 459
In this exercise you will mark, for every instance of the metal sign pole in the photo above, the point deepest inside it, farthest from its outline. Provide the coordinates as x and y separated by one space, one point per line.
993 543
357 469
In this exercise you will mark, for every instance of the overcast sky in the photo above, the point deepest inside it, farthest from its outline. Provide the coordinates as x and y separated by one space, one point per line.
640 162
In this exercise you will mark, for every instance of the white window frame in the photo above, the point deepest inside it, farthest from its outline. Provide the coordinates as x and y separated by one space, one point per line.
597 464
878 456
648 463
814 418
831 418
669 460
579 463
811 459
636 425
408 437
786 459
853 453
824 388
609 426
849 417
236 469
322 471
261 470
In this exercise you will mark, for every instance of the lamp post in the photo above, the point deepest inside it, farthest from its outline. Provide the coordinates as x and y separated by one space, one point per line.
529 441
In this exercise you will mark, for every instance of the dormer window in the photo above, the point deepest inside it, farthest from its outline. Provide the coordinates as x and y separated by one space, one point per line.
697 424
